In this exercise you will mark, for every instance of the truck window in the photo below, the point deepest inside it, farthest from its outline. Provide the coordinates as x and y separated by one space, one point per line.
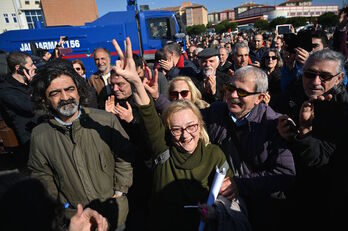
158 28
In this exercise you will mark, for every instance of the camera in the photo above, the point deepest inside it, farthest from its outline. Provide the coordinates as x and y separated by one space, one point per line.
65 38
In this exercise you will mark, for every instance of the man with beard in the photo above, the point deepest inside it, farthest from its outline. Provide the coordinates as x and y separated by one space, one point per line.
81 155
213 79
246 130
100 80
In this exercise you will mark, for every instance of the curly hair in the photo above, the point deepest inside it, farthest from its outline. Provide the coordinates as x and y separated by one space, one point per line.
46 75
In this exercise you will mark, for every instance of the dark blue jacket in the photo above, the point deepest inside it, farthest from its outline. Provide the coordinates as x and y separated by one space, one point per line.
263 165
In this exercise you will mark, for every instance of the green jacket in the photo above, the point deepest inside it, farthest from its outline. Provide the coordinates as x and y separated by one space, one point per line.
89 161
184 179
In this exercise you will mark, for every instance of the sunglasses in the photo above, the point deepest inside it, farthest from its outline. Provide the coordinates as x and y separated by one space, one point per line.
240 92
78 69
271 57
175 94
177 131
322 75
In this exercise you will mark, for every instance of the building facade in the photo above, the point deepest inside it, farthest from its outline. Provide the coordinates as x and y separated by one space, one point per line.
216 17
71 12
191 14
30 14
301 11
20 14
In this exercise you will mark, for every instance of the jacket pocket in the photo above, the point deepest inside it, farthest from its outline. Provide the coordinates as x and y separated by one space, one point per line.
107 164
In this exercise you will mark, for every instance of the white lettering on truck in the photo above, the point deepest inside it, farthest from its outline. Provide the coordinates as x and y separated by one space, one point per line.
50 45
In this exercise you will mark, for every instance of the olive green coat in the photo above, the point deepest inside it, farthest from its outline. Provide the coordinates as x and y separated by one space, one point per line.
184 179
87 162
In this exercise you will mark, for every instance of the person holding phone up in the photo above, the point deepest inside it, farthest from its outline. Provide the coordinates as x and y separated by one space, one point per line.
16 107
318 144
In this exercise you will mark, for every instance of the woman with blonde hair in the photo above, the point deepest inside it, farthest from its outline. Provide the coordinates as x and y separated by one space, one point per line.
184 161
182 87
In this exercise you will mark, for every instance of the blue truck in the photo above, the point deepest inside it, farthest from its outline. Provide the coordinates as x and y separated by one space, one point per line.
148 31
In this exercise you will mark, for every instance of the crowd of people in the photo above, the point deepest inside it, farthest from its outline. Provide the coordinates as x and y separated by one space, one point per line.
136 146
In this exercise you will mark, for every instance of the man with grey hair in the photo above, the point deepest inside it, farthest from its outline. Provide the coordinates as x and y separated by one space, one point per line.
240 55
213 79
319 145
176 64
224 66
245 129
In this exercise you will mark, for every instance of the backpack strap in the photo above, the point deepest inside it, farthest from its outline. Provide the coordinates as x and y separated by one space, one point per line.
225 165
161 158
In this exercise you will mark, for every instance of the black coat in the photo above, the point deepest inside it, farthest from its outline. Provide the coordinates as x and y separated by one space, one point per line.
321 192
16 108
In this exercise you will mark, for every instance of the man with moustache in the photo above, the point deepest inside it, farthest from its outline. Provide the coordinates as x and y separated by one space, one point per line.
81 155
246 130
100 80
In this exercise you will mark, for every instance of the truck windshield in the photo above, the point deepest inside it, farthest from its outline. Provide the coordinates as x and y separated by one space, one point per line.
158 28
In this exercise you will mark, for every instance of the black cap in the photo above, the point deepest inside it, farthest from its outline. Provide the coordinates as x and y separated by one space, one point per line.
208 52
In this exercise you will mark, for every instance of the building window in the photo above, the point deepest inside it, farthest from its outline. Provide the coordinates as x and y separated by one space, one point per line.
37 2
27 2
6 18
14 17
34 16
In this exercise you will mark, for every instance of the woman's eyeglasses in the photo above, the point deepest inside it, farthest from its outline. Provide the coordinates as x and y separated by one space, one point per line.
177 131
240 92
175 94
322 75
271 57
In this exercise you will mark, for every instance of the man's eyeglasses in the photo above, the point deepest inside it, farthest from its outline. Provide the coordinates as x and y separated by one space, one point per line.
78 68
175 94
322 75
271 57
177 131
240 92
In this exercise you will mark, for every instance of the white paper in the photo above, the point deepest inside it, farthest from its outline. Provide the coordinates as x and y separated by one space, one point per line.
214 190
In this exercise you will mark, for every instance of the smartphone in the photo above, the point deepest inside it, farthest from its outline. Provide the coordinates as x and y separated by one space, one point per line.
21 70
65 38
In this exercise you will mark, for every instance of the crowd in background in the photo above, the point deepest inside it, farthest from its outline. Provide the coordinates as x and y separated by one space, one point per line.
136 146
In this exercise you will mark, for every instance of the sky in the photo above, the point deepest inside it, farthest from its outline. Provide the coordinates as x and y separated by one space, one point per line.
105 6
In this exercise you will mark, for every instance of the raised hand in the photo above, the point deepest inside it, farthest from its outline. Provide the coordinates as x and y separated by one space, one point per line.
123 113
151 84
166 65
125 67
110 104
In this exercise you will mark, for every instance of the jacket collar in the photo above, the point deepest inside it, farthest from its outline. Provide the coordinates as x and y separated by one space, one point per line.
181 62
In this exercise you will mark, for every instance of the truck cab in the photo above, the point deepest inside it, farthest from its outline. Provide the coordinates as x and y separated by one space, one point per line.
148 31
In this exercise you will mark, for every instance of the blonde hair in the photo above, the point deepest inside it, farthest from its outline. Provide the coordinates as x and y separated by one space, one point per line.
180 105
196 96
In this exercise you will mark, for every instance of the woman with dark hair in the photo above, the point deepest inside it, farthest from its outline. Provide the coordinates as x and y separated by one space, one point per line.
272 63
79 67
